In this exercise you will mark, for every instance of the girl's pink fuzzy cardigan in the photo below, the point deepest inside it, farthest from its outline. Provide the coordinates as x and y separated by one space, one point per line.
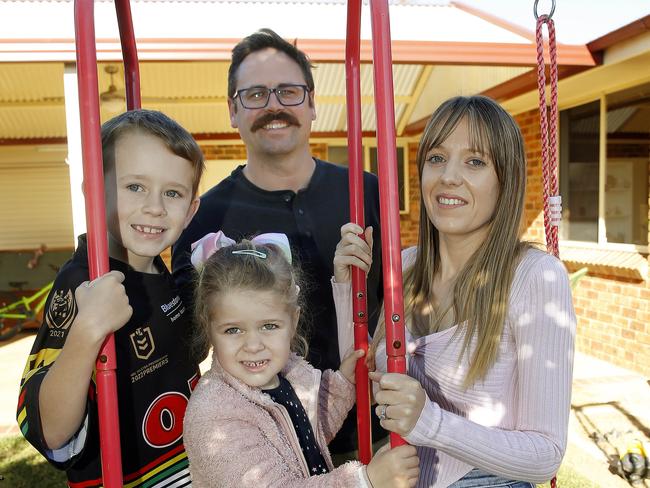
237 437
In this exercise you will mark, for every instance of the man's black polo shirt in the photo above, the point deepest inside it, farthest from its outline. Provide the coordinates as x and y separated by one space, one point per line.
312 219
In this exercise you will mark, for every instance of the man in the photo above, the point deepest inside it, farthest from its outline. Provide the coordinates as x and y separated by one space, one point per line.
282 188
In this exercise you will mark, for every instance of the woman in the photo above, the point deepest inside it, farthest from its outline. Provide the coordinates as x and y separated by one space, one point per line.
490 322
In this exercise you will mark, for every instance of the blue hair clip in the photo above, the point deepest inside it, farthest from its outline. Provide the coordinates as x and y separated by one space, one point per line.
251 252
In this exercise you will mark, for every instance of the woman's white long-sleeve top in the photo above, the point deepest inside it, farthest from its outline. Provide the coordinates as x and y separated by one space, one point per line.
514 422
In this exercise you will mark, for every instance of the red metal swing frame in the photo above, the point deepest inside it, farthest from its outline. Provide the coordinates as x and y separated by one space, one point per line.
91 151
389 204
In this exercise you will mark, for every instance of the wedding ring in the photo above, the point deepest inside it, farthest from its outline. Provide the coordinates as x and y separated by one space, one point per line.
382 412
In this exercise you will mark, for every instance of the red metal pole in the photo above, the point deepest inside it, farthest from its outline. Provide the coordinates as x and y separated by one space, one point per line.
359 302
389 199
91 149
129 54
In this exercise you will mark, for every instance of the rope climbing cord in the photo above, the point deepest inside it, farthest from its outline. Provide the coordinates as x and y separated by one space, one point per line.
548 135
548 131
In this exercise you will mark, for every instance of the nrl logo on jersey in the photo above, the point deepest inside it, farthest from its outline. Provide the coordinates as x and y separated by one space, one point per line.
142 341
62 310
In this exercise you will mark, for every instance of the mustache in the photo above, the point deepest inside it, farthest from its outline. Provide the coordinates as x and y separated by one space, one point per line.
269 117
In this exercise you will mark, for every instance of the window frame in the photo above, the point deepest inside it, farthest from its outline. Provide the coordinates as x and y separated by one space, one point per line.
369 143
602 242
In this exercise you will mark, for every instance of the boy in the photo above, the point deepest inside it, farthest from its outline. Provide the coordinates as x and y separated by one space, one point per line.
152 167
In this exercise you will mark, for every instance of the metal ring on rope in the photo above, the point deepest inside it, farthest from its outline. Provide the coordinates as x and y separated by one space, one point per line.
550 14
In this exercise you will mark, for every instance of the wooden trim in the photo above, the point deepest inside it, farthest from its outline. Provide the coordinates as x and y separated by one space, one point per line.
415 97
207 136
619 35
526 82
36 141
201 136
417 127
319 50
31 250
504 91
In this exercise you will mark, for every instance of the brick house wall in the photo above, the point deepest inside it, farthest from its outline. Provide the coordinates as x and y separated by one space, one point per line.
613 312
238 151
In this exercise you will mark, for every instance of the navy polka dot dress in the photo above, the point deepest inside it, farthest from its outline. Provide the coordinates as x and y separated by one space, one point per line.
286 396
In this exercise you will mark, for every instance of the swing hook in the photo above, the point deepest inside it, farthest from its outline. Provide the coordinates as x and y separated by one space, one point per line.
550 14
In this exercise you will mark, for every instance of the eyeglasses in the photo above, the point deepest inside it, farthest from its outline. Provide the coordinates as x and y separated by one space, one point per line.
288 95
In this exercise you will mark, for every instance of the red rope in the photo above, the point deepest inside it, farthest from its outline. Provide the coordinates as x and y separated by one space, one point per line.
548 135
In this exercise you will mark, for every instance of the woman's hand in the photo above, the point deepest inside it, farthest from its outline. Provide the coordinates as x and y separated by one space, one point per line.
348 364
352 250
400 401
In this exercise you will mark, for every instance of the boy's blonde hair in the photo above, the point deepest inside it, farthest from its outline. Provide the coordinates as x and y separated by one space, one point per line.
178 140
226 271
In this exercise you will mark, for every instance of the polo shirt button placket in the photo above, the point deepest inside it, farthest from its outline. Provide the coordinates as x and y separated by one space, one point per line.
301 212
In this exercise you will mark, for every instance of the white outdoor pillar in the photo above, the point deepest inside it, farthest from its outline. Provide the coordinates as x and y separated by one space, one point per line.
73 126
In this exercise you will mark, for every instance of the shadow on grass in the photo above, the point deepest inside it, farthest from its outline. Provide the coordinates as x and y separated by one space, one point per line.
21 466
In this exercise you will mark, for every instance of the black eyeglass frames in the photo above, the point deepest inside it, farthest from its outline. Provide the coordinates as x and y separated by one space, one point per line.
288 95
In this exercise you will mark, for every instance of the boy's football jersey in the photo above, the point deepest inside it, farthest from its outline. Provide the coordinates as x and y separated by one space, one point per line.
155 376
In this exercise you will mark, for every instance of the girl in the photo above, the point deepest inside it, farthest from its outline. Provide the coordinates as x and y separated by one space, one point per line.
490 322
262 416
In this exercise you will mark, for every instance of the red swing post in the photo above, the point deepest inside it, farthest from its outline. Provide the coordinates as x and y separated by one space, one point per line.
359 295
389 197
91 150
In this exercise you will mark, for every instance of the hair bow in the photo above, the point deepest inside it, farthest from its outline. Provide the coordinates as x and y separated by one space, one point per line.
212 242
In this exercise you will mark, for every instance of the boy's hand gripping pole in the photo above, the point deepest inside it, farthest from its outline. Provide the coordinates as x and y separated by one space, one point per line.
355 156
388 192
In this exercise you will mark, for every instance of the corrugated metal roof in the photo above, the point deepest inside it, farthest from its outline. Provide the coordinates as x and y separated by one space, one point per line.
20 122
32 96
172 79
26 82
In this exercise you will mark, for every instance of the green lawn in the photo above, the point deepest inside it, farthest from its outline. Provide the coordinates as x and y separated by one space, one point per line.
21 466
568 478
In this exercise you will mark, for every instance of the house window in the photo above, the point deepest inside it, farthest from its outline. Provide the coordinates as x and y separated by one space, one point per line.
604 168
401 173
339 155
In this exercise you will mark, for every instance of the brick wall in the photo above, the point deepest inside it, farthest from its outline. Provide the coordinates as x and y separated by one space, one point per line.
225 152
614 320
533 221
613 312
